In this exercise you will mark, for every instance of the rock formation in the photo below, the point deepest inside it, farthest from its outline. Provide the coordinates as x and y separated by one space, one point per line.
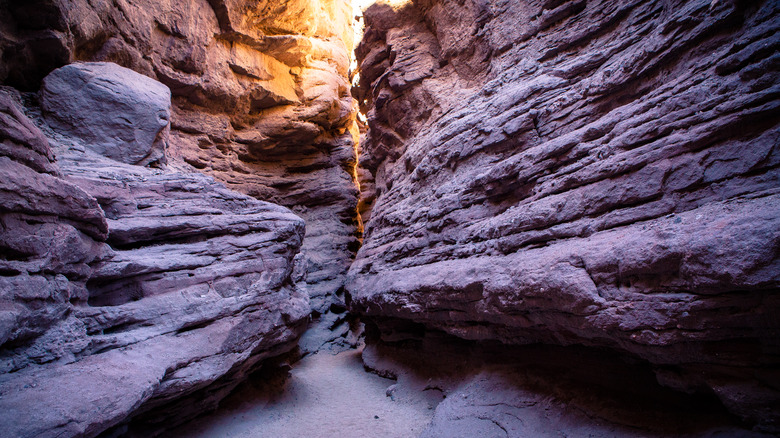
597 174
52 232
594 173
127 288
490 389
111 110
261 98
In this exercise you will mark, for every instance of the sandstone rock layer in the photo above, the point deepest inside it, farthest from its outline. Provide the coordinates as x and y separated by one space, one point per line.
261 98
586 172
132 298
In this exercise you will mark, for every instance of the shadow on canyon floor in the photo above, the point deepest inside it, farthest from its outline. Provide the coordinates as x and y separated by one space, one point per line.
323 395
438 386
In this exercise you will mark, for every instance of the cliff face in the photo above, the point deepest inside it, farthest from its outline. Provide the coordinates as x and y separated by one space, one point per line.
260 98
180 282
126 288
586 172
129 279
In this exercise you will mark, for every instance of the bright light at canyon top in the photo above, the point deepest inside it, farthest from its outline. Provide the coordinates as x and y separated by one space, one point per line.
366 3
358 6
361 5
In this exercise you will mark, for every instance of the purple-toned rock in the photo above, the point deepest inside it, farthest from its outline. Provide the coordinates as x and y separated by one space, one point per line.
596 173
132 299
50 234
110 110
194 294
260 99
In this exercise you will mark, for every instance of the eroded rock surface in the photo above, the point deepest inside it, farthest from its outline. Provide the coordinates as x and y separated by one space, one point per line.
131 293
596 173
261 98
493 390
113 111
51 235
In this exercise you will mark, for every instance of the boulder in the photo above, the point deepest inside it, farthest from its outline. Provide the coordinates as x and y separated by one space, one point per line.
109 109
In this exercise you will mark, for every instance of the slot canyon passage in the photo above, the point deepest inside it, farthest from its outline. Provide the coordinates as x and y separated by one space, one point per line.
393 218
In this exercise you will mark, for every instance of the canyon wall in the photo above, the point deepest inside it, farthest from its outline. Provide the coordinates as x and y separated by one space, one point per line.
595 173
261 98
126 288
143 274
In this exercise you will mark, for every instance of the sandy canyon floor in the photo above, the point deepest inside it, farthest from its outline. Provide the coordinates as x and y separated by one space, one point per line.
326 395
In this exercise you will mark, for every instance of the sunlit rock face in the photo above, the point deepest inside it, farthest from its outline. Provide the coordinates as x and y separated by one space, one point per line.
132 298
260 91
598 173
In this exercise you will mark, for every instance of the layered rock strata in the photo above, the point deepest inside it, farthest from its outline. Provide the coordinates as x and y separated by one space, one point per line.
586 172
130 293
261 98
52 234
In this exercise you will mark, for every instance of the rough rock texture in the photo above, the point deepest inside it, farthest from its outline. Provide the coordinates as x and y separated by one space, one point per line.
131 293
261 98
586 172
51 234
113 111
492 390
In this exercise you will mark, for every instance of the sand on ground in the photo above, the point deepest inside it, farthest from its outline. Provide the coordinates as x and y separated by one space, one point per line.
326 395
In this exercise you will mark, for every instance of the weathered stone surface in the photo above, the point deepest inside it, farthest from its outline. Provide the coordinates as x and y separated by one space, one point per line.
111 110
594 173
488 389
132 298
261 98
50 235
